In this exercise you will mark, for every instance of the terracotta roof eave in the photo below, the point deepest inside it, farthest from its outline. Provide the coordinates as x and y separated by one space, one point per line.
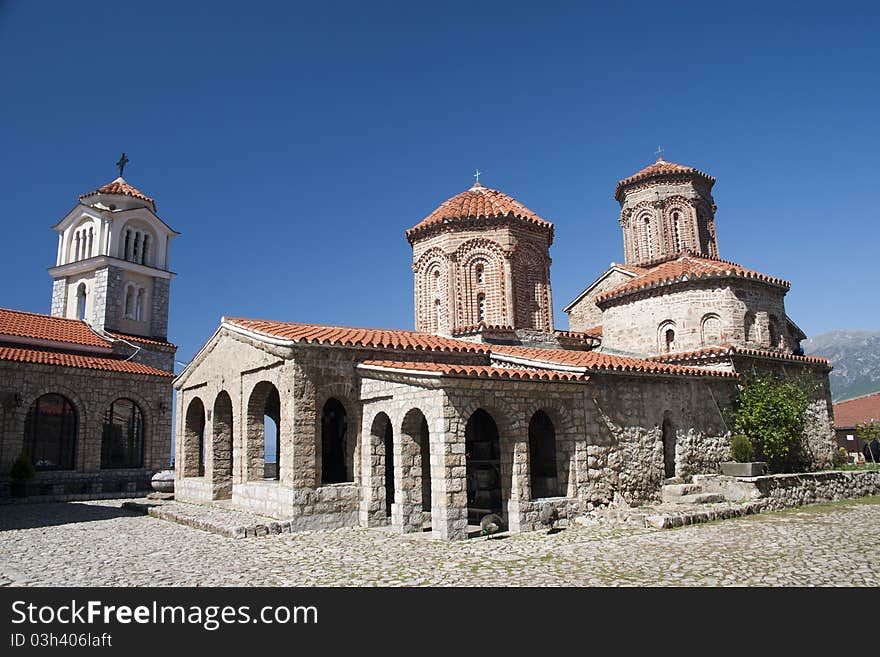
417 231
689 278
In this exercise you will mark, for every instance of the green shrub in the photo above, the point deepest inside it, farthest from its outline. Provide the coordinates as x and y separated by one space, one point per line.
841 457
741 449
22 468
771 411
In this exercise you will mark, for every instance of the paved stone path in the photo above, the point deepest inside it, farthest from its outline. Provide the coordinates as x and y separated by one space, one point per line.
99 543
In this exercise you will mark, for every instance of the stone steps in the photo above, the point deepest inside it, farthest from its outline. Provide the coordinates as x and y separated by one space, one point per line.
688 494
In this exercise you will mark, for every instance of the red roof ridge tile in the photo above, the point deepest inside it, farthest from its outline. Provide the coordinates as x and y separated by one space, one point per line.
355 336
728 349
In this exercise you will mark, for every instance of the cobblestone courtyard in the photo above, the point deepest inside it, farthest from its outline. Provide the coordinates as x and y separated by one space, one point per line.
99 543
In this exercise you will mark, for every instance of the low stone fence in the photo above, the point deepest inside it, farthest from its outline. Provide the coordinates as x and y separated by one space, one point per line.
70 485
789 490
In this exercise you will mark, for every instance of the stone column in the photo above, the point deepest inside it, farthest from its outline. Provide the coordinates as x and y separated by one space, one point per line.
448 476
508 290
519 495
371 511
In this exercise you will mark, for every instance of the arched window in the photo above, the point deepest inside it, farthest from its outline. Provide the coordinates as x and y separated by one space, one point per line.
127 246
542 456
666 337
139 306
481 307
481 274
76 246
135 250
676 227
649 243
81 302
91 241
334 426
50 433
775 333
144 249
482 466
264 432
437 280
122 442
128 309
711 329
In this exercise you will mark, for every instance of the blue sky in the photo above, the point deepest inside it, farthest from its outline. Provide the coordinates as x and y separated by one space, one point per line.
293 144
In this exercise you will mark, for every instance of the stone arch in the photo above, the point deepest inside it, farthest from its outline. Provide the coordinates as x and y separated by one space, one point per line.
489 258
432 285
678 219
711 330
484 482
412 472
221 447
643 227
264 403
137 242
667 333
194 439
544 470
336 443
82 297
51 432
751 333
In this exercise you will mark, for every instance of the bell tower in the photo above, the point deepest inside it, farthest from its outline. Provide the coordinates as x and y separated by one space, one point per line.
112 267
666 208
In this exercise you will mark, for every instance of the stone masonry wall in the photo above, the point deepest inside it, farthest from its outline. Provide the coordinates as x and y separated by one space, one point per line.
585 314
632 324
91 392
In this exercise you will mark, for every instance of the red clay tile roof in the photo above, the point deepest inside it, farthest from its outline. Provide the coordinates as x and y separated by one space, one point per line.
851 412
479 371
660 168
482 327
686 267
44 327
478 202
119 186
138 338
355 337
600 362
725 350
46 357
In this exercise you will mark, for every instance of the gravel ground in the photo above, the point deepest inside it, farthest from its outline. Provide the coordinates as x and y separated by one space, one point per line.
101 544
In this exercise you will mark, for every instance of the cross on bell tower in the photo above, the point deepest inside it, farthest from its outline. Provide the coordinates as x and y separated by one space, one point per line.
123 160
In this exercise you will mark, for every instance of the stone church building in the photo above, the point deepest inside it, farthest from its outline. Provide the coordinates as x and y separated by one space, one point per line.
86 391
486 407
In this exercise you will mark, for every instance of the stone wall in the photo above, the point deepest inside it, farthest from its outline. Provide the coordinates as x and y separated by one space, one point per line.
632 324
583 313
90 392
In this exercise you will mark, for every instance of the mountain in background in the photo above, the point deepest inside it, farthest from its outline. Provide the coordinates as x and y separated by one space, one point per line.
855 356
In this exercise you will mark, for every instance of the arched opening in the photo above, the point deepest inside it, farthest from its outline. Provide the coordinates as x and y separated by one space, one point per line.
711 329
542 456
264 435
388 444
334 425
481 307
750 328
414 472
81 302
774 333
649 243
128 307
483 466
676 229
438 315
669 439
50 429
194 440
666 336
221 444
480 272
144 250
122 439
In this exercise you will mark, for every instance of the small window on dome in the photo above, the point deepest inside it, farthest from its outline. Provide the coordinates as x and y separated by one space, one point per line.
481 307
481 278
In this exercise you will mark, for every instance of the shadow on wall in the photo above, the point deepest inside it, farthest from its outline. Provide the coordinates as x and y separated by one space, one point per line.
48 514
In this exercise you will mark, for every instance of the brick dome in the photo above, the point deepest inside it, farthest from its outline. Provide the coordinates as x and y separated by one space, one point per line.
477 203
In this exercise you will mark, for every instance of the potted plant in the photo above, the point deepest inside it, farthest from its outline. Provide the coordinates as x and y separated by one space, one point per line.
742 452
21 472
